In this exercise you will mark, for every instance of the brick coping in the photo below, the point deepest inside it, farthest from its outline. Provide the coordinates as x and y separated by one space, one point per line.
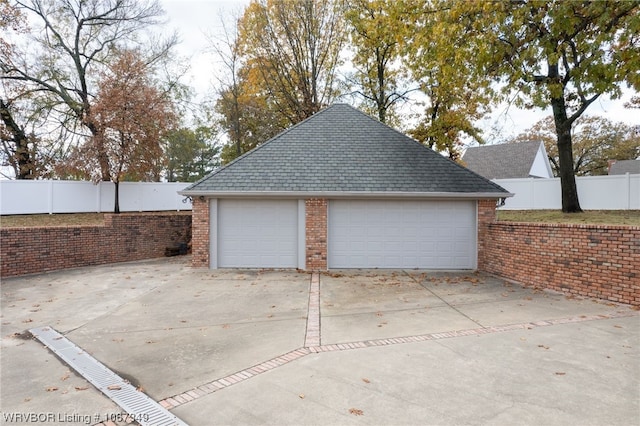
106 220
567 225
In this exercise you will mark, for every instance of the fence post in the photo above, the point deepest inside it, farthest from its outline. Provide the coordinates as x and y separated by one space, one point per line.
532 192
50 201
99 197
628 182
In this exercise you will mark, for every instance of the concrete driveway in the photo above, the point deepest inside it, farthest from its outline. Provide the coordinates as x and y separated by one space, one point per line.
344 347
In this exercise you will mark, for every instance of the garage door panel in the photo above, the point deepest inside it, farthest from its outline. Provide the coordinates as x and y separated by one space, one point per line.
402 234
257 233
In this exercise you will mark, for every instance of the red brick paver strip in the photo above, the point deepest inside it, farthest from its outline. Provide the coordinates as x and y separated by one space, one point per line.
312 336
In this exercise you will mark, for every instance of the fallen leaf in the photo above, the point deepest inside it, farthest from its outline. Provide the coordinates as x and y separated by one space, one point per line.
543 346
366 380
560 373
51 389
65 377
356 412
81 388
114 387
301 396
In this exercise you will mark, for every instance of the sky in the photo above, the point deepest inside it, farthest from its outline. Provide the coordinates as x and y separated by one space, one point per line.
195 19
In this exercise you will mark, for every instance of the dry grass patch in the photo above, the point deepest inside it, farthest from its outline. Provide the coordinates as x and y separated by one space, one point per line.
592 217
71 219
68 219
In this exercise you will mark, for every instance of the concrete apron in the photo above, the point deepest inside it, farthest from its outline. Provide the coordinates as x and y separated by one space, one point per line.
256 347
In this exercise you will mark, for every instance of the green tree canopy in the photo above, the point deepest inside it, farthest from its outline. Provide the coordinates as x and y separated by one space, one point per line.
558 54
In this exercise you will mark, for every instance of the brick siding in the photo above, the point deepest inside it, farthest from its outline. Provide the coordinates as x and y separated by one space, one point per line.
316 233
123 237
200 237
588 260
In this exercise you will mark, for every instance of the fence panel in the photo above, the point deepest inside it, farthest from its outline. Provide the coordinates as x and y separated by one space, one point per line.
618 192
57 196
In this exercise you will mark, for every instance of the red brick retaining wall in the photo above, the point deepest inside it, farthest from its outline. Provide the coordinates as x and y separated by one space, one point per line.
124 237
588 260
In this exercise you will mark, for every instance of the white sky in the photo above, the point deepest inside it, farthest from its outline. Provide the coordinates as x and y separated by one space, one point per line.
193 19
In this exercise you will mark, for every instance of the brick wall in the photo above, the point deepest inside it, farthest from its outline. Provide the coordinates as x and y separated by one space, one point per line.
588 260
316 233
486 216
123 237
200 237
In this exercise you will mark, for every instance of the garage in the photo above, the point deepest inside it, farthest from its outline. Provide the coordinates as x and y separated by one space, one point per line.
402 234
257 233
341 190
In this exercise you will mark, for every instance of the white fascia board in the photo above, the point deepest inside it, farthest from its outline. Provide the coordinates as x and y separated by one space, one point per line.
346 194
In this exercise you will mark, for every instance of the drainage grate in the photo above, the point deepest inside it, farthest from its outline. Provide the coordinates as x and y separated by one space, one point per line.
143 409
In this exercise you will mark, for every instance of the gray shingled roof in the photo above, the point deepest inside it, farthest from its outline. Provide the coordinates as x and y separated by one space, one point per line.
503 161
622 167
340 150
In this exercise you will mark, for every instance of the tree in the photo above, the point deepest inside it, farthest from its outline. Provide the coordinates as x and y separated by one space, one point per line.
434 47
71 45
295 46
379 76
562 55
191 154
596 140
17 145
246 111
131 117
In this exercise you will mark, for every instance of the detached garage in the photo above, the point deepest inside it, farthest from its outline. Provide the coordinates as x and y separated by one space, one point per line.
341 190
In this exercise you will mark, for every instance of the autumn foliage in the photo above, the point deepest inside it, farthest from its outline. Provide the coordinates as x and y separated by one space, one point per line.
132 116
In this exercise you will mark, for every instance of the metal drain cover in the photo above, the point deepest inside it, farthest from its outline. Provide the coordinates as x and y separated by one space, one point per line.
142 409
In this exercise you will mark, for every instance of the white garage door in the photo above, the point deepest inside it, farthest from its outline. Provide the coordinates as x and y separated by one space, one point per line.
257 234
402 234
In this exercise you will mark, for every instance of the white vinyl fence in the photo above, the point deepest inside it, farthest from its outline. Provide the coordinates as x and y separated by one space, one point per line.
59 196
618 192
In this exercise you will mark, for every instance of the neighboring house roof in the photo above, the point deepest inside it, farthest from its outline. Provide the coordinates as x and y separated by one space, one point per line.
342 150
622 167
509 160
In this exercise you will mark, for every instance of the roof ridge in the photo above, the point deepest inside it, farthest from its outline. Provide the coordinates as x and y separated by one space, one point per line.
502 144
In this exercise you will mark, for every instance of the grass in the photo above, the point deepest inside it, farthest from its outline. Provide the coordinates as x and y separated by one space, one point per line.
59 219
597 217
602 217
70 219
